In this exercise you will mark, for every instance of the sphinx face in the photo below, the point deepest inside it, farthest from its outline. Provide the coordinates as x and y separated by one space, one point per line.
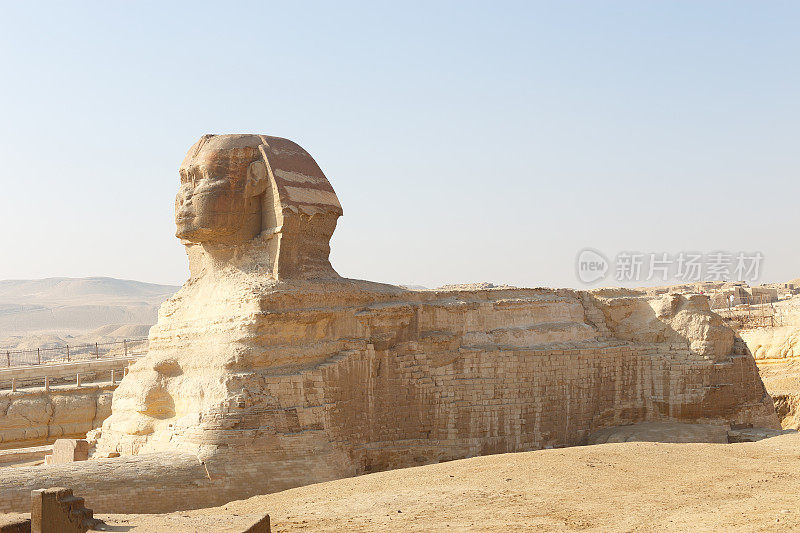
217 201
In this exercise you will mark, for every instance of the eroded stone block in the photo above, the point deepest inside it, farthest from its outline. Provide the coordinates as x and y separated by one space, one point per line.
56 510
69 451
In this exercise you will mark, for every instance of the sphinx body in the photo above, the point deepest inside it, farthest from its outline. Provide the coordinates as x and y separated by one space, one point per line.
276 372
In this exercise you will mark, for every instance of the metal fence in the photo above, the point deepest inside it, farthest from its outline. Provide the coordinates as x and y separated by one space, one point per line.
77 379
66 353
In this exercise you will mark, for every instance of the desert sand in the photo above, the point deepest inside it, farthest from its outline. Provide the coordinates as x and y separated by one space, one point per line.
634 486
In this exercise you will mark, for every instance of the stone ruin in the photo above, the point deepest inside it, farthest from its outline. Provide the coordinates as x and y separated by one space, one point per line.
52 510
68 451
268 370
58 510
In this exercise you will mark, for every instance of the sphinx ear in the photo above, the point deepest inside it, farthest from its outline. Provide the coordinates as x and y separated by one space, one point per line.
257 179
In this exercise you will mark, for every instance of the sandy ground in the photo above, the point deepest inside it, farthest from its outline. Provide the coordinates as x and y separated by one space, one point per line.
609 487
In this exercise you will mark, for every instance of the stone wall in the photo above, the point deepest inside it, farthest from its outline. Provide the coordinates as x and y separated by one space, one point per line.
15 456
35 416
156 482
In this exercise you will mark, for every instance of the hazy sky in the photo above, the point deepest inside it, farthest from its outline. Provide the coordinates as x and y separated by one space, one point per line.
467 141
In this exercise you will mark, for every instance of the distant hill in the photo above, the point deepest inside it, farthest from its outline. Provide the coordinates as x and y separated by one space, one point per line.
50 310
79 290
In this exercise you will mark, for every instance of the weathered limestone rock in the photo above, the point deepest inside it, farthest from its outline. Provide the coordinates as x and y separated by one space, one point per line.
20 456
34 416
15 523
787 407
273 371
69 451
53 510
780 342
775 345
661 432
56 510
756 434
669 318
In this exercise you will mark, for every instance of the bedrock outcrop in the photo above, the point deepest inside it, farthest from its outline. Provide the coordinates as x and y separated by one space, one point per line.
371 376
33 417
272 371
775 345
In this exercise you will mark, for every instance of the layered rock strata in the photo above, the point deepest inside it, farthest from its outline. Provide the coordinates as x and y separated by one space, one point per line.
35 416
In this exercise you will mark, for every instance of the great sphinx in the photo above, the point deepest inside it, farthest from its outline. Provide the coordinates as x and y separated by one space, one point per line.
268 370
255 214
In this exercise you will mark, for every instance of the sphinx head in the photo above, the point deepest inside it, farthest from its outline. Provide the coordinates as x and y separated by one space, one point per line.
237 187
222 180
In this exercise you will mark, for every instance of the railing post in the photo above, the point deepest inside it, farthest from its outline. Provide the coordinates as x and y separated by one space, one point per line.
46 383
125 344
113 377
68 353
78 379
96 352
13 384
38 356
8 358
